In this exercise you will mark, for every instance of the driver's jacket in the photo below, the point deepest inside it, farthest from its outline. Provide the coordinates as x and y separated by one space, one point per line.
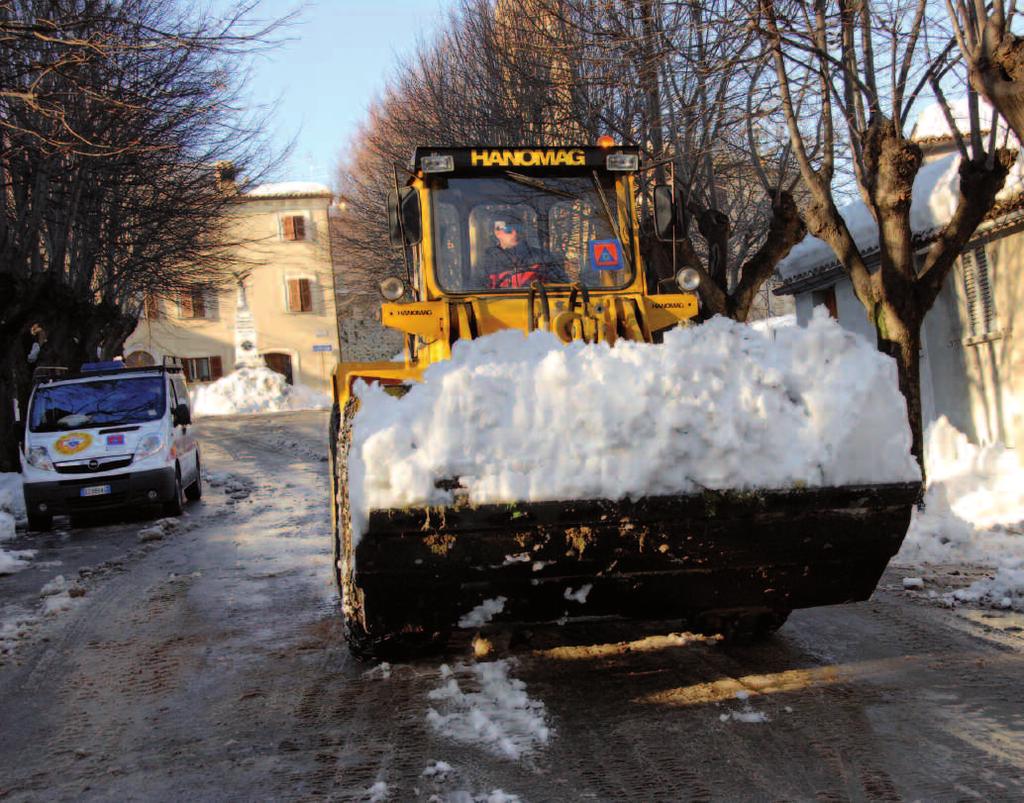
521 265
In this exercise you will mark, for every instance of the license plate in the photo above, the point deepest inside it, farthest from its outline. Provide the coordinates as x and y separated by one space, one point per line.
95 490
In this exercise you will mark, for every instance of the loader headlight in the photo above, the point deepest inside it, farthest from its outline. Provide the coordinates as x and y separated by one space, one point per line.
436 163
149 445
622 161
392 288
688 280
38 457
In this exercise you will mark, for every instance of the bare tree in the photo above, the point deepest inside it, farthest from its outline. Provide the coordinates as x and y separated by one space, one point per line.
994 55
683 81
112 117
863 65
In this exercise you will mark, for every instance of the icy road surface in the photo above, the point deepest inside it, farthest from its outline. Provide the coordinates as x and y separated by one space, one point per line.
206 662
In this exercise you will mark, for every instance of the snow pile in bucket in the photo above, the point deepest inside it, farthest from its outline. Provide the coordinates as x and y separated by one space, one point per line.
719 406
254 390
973 513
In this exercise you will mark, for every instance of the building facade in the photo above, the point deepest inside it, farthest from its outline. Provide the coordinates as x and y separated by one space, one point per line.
283 302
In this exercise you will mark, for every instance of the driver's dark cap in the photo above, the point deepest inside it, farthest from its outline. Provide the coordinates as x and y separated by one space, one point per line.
508 222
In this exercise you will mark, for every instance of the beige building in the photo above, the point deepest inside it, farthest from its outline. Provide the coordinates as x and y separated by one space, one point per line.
288 291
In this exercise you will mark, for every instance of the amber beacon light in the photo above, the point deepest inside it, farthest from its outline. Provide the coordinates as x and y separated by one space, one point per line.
605 141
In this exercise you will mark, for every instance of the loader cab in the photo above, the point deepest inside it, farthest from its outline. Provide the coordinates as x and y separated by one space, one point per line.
574 207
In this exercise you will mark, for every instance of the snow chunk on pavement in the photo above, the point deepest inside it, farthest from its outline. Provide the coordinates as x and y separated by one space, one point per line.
579 595
12 499
720 405
498 716
973 513
57 603
437 769
749 716
1004 591
15 560
913 583
254 390
484 612
57 585
379 791
12 509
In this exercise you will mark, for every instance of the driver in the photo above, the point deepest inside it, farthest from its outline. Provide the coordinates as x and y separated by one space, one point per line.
513 262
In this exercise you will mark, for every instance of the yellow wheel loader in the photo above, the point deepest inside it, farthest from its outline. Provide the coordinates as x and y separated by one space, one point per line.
730 562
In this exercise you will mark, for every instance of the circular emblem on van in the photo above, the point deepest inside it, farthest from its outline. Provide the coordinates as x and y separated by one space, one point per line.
94 464
73 442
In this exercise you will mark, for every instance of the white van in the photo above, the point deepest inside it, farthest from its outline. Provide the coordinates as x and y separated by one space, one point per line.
108 437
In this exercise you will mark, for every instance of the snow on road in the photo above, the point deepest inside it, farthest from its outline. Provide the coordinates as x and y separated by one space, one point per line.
973 514
481 704
211 663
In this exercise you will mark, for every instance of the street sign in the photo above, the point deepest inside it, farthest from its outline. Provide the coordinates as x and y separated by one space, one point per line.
323 347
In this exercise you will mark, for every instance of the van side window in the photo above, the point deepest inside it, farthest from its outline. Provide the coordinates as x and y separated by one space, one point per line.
181 392
172 395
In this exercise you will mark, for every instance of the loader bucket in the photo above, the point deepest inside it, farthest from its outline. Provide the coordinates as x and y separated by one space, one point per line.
720 561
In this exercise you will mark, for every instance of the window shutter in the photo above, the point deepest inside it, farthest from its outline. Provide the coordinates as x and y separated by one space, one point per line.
987 302
216 367
981 313
152 307
299 227
305 296
198 304
185 305
289 228
294 296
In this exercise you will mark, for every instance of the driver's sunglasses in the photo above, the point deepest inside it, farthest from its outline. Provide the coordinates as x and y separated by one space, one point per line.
508 228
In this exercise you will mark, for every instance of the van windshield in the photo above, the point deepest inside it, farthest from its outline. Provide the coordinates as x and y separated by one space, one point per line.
104 402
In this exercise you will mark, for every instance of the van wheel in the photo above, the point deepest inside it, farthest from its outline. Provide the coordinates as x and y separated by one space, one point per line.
194 492
40 522
176 504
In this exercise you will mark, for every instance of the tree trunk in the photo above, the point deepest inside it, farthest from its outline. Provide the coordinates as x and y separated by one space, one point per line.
901 340
998 75
75 332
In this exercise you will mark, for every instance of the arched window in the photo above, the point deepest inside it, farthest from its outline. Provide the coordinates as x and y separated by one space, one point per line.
138 359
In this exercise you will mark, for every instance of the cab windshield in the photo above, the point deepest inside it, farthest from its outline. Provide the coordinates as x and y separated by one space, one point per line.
103 402
503 232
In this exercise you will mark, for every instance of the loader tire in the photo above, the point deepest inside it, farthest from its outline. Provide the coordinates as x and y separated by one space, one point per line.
364 644
40 522
741 626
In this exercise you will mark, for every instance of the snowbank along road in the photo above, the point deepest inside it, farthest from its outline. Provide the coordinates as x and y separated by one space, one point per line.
202 658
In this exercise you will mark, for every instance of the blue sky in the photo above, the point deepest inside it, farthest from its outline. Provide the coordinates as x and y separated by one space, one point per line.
321 81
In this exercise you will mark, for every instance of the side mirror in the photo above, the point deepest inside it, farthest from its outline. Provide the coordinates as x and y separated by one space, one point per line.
665 215
181 416
406 202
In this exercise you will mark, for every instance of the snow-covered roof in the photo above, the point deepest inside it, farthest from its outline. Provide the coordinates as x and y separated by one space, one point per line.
935 196
931 123
288 189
